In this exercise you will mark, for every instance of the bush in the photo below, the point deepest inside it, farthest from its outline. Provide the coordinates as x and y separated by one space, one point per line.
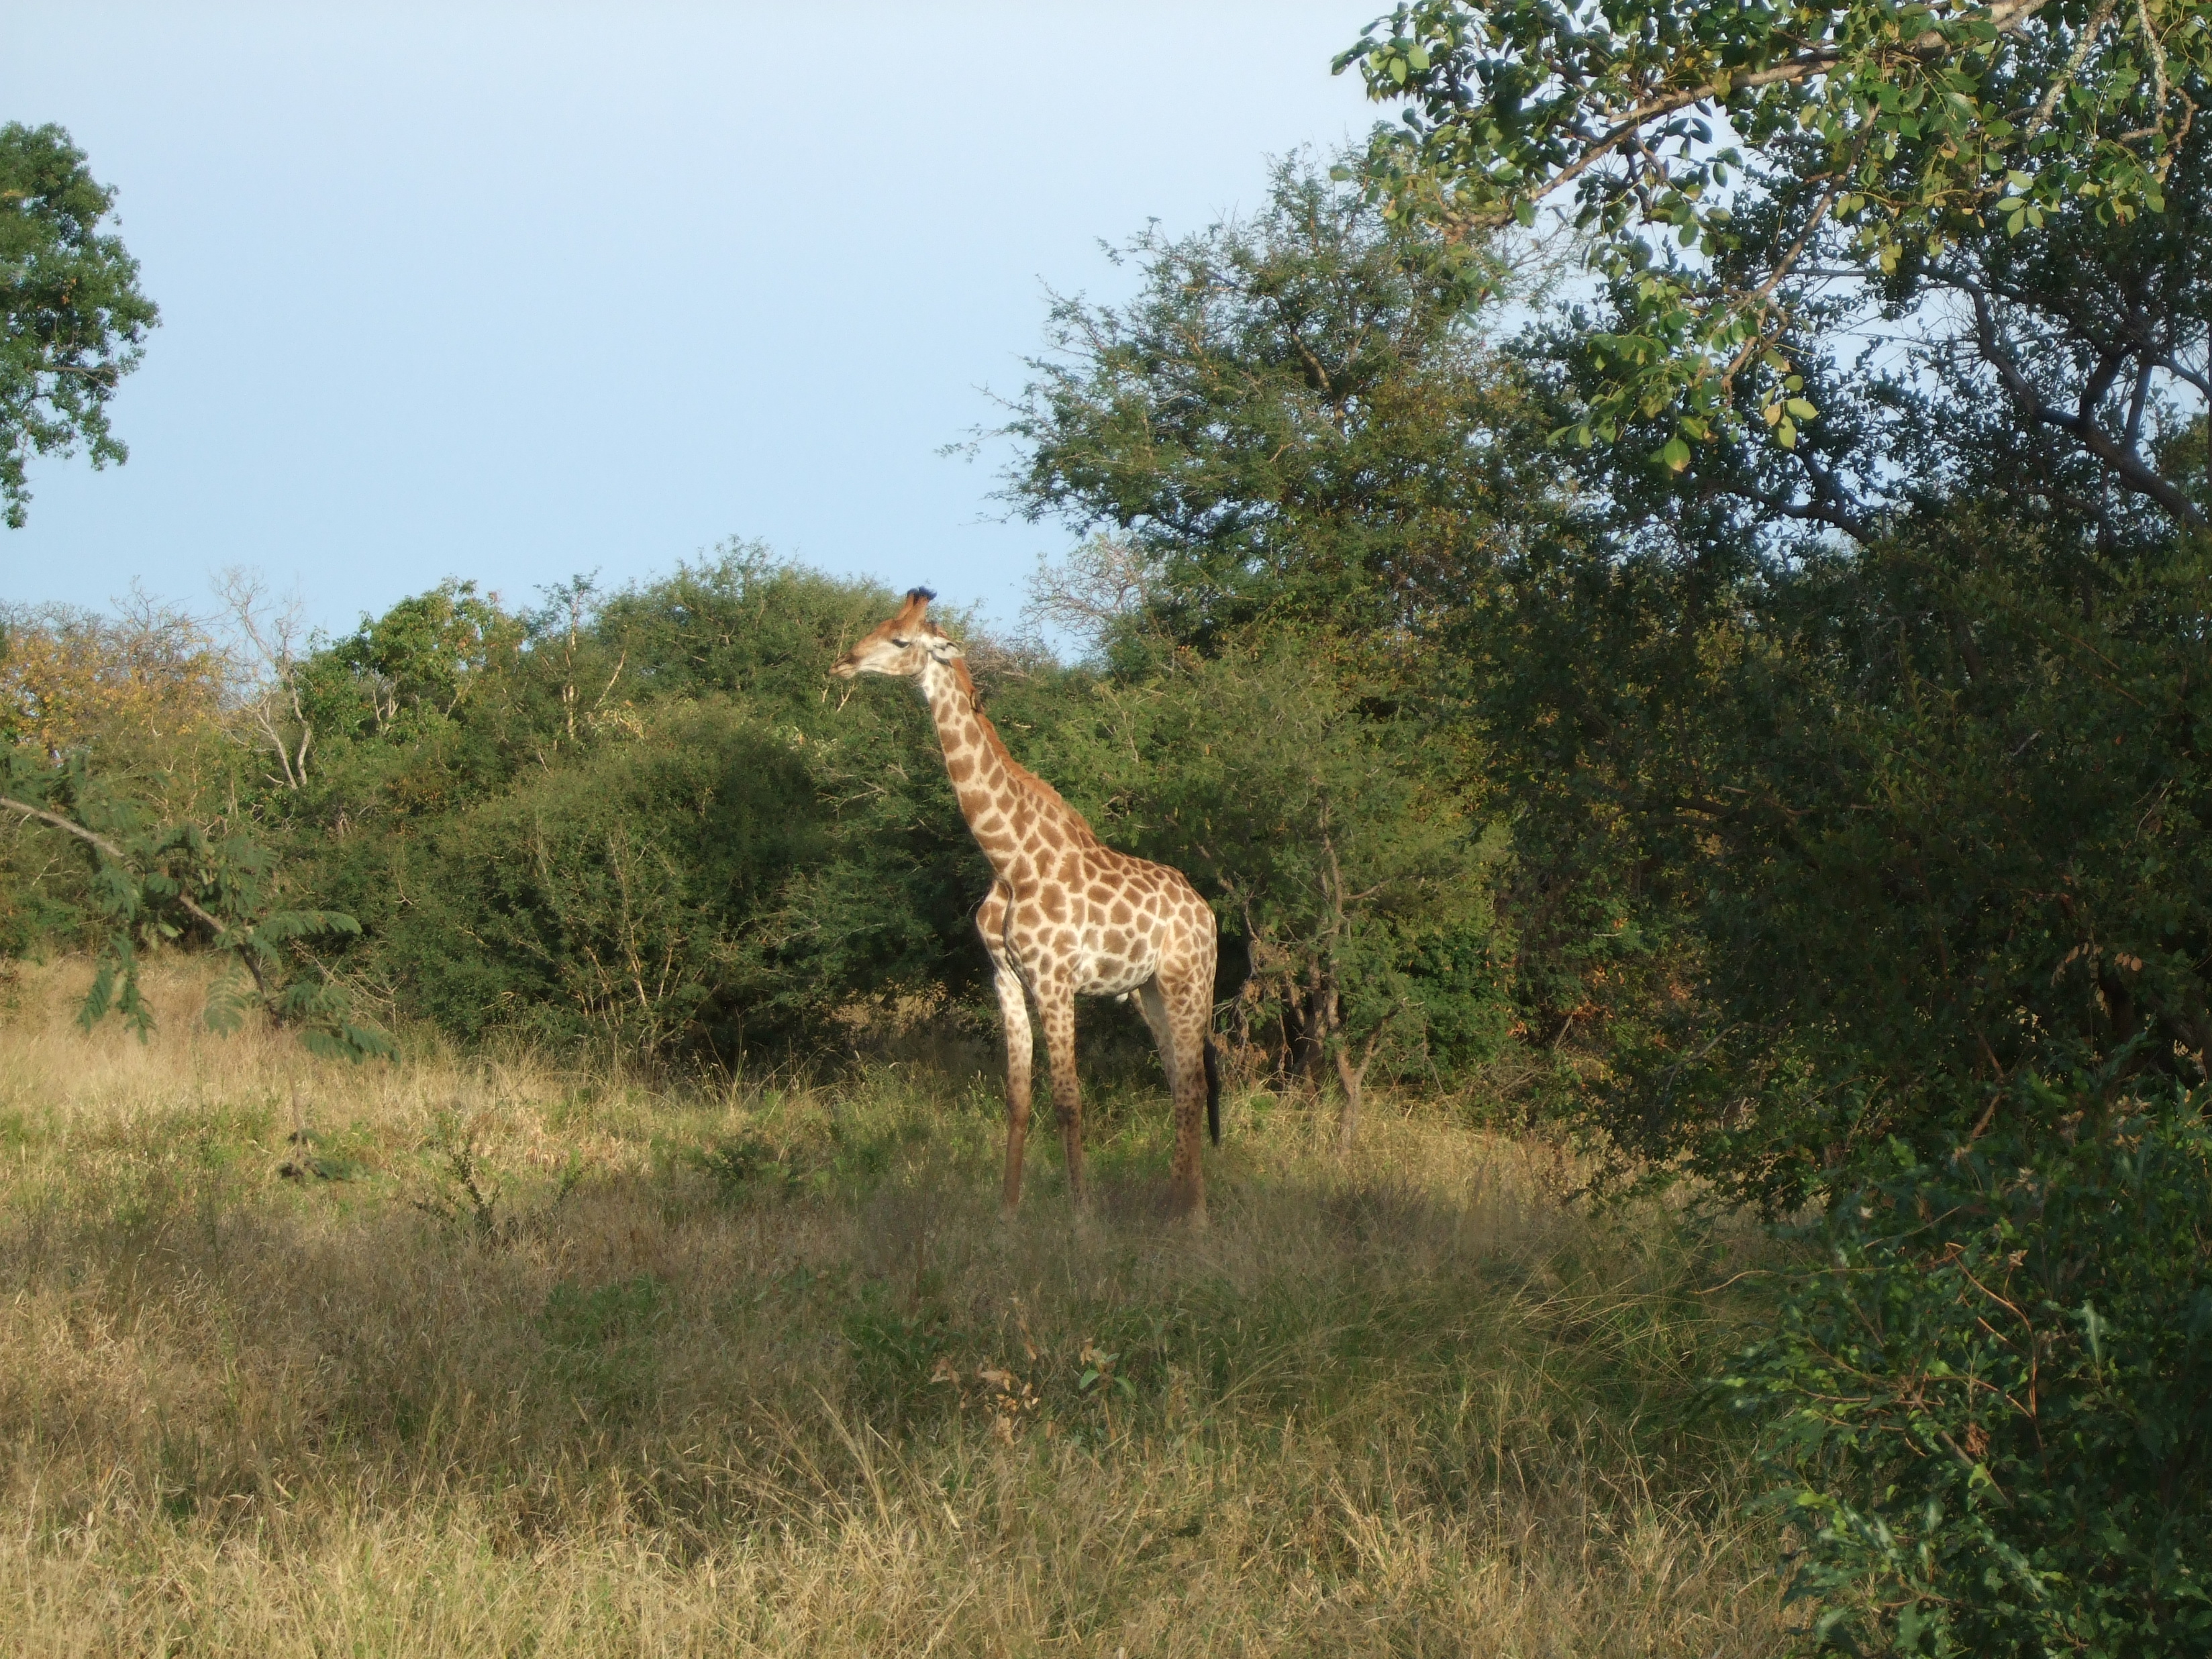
1992 1404
636 821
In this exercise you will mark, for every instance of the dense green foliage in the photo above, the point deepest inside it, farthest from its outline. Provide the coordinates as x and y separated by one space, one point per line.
148 884
1727 164
642 818
1930 824
1991 1403
635 819
75 319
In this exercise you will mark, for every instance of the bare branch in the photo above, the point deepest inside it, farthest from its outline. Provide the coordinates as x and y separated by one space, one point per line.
2082 425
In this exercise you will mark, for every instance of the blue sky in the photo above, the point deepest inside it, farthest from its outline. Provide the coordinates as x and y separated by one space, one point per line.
514 292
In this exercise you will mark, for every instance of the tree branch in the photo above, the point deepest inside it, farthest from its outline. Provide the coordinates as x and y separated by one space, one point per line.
110 850
1931 45
2082 426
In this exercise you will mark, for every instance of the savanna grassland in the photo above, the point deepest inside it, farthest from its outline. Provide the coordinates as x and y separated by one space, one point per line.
1723 693
474 1352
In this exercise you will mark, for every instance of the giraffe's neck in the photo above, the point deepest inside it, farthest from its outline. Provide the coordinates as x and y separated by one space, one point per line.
1012 812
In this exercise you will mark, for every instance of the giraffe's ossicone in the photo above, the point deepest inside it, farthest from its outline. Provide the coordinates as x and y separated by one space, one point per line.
1065 915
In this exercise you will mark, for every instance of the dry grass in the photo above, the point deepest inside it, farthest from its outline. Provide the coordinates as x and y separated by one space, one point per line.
520 1361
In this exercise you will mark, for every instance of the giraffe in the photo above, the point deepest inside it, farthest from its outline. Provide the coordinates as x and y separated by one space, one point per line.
1066 914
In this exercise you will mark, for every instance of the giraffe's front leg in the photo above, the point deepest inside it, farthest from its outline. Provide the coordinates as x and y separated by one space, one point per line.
1021 1050
991 921
1056 1007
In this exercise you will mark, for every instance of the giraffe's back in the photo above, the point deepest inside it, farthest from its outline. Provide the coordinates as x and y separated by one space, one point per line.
1100 921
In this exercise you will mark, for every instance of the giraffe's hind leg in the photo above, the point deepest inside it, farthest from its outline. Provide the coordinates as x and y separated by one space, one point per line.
1154 1008
1179 1006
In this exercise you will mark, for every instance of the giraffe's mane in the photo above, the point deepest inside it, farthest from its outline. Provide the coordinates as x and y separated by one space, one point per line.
1023 777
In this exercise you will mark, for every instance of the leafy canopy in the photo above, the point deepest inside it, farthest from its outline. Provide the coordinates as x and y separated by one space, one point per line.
1708 149
1293 419
72 320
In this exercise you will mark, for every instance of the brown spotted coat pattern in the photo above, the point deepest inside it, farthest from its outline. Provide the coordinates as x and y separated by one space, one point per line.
1066 915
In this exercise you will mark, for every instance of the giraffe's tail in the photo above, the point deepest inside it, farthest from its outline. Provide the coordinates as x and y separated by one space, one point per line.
1212 1092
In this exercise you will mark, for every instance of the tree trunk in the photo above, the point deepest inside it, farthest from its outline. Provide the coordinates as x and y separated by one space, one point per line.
1350 1078
1347 1116
1307 1026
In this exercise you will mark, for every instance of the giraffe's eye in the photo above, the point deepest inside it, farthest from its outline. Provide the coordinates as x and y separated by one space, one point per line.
901 644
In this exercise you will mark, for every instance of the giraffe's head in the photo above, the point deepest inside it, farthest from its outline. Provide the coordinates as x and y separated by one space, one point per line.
905 645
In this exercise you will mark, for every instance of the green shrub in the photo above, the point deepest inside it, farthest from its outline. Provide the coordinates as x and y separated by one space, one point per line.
1992 1403
636 822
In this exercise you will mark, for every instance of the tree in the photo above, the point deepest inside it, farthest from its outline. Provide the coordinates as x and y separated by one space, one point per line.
1935 831
413 666
1892 727
74 679
1295 419
140 694
275 709
1872 143
1300 457
72 320
118 779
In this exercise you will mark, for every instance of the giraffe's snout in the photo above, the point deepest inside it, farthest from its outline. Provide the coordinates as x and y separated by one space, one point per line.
845 668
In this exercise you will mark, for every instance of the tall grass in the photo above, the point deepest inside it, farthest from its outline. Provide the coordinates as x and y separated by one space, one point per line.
470 1354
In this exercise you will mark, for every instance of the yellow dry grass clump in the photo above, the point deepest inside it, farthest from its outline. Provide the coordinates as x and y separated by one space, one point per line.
473 1354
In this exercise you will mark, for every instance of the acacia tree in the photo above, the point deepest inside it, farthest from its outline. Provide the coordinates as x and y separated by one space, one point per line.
76 322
